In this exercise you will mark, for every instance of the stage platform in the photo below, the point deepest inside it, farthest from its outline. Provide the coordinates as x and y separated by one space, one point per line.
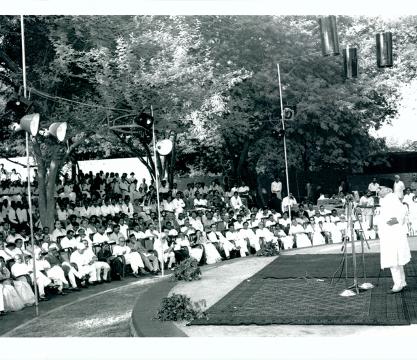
218 282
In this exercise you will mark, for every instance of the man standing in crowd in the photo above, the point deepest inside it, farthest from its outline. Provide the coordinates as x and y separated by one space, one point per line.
366 203
398 187
276 193
288 202
373 187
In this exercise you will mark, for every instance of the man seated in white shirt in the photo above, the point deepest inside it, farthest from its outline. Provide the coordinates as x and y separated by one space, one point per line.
187 228
178 203
253 221
80 236
13 236
164 189
248 235
199 202
270 221
132 258
137 232
263 213
100 236
195 222
323 212
68 241
105 207
151 235
102 268
264 235
208 219
236 201
288 202
116 235
310 210
127 206
15 176
238 224
84 264
124 227
215 236
285 222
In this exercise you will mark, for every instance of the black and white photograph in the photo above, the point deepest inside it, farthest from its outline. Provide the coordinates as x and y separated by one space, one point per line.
233 182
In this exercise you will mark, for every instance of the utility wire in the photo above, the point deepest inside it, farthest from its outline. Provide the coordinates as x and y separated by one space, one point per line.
61 99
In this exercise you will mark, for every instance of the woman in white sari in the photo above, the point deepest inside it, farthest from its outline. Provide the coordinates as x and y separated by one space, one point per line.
392 230
211 254
298 231
19 272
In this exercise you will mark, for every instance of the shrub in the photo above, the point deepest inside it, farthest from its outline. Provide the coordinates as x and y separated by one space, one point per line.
269 249
187 270
179 307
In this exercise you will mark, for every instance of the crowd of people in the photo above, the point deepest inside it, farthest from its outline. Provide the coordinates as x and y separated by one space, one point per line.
107 226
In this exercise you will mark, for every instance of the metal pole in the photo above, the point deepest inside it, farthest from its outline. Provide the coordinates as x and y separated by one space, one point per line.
352 240
32 239
157 194
345 241
285 143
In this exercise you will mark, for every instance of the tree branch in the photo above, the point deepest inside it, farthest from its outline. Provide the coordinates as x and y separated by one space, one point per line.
11 65
18 163
78 142
150 169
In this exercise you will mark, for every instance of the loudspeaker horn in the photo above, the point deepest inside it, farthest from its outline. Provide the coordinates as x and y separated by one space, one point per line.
384 49
29 123
164 147
350 62
329 37
58 130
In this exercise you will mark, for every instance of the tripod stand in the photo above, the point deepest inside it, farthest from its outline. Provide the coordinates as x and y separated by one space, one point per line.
350 233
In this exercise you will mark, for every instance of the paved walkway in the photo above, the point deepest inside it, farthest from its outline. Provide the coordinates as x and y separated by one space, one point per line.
217 282
99 311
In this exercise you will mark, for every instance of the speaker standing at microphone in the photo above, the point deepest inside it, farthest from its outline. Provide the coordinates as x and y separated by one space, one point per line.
392 230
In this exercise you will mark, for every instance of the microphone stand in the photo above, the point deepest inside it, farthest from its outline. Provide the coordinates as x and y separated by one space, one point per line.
350 233
365 285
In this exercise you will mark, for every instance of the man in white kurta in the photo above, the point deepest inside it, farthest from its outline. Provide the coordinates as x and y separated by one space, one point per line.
392 230
398 187
233 237
217 236
132 257
248 235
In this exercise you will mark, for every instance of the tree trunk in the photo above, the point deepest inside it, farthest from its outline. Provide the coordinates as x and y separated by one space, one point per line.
242 160
54 168
42 201
261 196
173 159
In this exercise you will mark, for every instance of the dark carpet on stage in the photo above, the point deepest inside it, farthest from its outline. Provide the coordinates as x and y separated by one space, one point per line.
328 266
310 297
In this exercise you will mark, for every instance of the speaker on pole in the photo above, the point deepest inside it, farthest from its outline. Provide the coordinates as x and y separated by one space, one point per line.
58 130
350 62
328 34
384 49
28 123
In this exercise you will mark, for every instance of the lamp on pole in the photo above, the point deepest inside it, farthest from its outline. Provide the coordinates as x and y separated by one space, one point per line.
29 123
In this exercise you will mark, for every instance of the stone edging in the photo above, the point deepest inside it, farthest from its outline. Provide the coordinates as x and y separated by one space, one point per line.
141 322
